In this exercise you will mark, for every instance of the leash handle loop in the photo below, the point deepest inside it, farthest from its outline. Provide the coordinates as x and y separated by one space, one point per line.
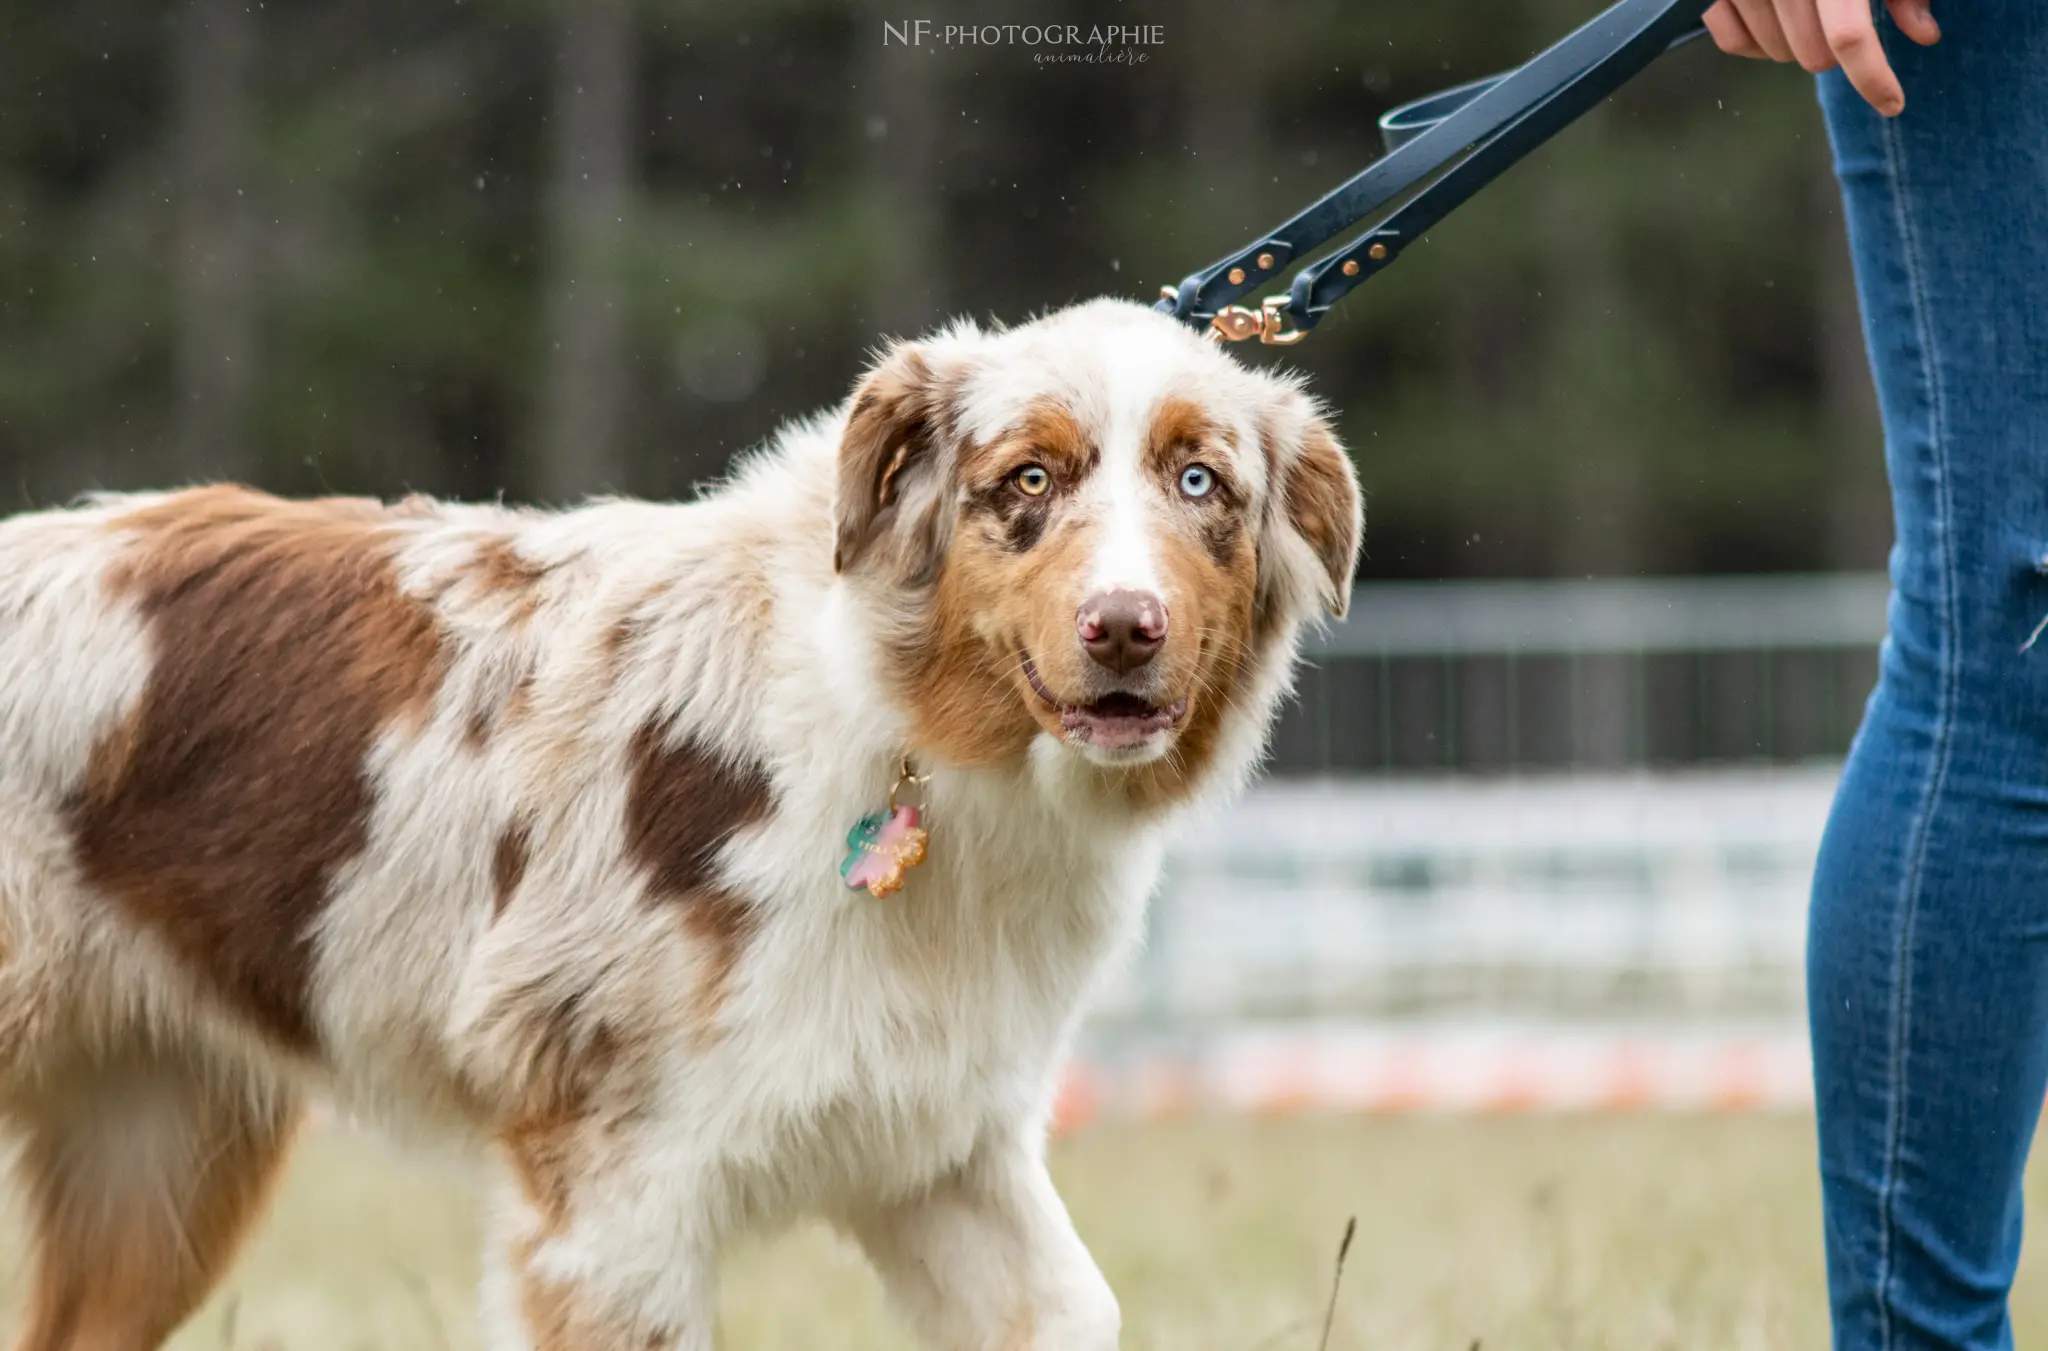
1402 124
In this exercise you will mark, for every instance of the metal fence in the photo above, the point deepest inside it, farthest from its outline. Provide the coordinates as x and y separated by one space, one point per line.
1487 676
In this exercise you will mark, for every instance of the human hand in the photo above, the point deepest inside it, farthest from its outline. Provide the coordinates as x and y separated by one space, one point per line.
1823 34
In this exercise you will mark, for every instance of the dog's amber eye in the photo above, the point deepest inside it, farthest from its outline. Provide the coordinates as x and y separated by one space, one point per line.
1033 480
1197 480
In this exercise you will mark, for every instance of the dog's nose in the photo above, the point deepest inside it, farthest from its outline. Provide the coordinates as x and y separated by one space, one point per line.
1122 629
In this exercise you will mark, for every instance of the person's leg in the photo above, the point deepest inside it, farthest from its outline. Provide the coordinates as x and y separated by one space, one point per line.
1928 945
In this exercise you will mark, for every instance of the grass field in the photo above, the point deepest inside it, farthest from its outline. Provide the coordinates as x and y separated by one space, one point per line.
1516 1234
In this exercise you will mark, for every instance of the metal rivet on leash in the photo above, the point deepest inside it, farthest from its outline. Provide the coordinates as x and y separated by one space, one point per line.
1455 142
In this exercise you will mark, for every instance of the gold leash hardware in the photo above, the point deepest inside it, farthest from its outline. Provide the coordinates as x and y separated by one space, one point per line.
1267 323
905 774
1235 323
1273 309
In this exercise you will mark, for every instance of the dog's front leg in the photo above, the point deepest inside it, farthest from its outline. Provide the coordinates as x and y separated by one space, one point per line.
602 1240
987 1260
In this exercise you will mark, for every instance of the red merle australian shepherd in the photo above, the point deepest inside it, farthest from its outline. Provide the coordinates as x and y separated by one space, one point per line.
710 865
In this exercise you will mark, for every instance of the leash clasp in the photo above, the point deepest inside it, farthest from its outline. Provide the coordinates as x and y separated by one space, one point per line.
1267 323
1273 309
1235 323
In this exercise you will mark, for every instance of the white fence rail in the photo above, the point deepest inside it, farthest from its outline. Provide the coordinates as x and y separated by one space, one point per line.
1658 897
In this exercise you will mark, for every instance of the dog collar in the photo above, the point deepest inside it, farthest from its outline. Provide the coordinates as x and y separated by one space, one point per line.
884 845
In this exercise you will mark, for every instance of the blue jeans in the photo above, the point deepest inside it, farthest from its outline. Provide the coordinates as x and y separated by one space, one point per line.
1927 968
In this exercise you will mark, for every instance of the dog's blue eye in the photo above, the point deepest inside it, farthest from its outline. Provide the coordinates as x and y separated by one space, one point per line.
1196 481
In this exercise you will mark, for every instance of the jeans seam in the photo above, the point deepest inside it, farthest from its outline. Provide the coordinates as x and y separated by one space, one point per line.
1901 1011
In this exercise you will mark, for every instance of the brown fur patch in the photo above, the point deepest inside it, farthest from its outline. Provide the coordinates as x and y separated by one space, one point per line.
619 636
111 758
617 645
582 1081
1182 433
1178 430
545 1154
539 1151
960 684
508 865
501 570
560 1318
476 729
1013 518
520 702
563 1054
899 419
500 706
1222 537
722 922
684 804
547 1307
282 648
548 1155
501 567
1051 435
1322 503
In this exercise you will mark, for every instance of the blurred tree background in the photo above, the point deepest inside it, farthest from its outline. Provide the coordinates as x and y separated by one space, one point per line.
540 248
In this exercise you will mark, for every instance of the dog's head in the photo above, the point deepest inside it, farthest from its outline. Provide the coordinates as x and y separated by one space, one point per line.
1097 526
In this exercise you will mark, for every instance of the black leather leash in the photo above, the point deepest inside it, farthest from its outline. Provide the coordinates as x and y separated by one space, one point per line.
1467 136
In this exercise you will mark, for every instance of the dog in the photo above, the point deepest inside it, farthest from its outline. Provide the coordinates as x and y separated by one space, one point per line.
709 865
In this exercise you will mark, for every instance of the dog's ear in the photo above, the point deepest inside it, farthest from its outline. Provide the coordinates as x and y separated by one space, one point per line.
1314 512
893 467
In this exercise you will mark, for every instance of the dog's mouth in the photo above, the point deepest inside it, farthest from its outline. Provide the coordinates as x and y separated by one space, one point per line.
1116 721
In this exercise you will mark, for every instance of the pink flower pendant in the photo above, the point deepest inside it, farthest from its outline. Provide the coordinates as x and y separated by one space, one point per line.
881 848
